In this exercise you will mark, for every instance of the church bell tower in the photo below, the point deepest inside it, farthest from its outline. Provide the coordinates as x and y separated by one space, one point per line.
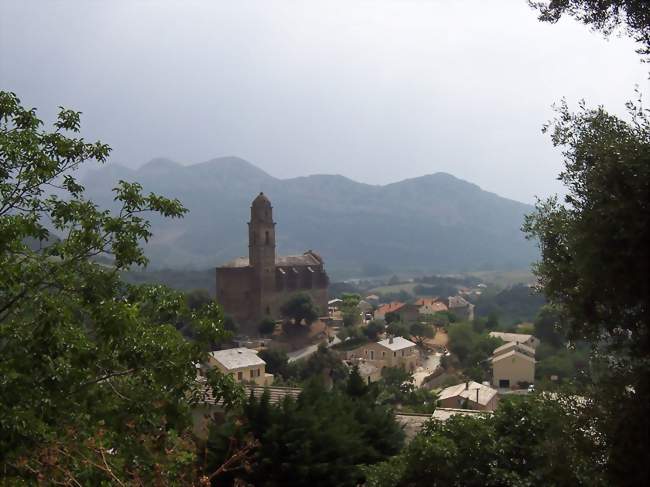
261 251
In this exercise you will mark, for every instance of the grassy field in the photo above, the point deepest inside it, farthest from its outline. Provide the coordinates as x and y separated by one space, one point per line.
499 279
505 279
395 288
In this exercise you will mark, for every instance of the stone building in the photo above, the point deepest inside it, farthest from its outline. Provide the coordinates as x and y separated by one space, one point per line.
469 395
513 366
252 288
391 352
243 364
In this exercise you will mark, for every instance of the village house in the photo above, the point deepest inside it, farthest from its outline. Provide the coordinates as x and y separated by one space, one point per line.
391 352
334 305
405 312
430 306
469 395
522 338
408 313
365 307
380 313
243 364
372 299
368 371
462 308
513 366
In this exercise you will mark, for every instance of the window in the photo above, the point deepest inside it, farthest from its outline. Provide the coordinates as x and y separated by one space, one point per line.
252 373
266 237
372 354
240 376
383 354
402 353
504 384
268 310
258 372
394 354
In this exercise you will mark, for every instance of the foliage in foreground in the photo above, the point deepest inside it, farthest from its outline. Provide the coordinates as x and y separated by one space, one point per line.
96 381
532 441
595 266
322 438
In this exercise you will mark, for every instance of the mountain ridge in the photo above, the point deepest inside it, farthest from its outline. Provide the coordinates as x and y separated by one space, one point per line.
435 222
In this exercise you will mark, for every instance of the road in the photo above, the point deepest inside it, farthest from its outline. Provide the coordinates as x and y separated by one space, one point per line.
307 351
430 363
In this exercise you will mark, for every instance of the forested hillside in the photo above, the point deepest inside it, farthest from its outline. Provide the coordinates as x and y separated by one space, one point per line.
433 223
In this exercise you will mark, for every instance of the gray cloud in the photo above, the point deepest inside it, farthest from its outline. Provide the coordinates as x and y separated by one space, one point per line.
375 90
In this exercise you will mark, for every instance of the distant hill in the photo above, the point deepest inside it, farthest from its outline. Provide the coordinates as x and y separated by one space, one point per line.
434 223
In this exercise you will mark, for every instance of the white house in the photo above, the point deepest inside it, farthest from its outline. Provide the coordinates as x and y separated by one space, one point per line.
243 364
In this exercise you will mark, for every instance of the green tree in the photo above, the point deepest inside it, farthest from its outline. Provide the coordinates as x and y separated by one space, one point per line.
421 331
229 324
594 267
472 349
356 387
548 444
197 298
300 307
266 326
373 330
276 360
350 309
391 317
322 438
399 329
547 327
97 383
492 322
603 15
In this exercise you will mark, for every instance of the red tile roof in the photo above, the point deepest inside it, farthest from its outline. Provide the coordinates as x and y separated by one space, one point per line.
390 307
434 303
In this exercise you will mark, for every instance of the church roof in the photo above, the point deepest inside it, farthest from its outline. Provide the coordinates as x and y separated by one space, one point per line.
306 259
297 260
238 262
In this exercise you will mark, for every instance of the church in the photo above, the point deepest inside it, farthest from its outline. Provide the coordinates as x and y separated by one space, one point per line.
251 288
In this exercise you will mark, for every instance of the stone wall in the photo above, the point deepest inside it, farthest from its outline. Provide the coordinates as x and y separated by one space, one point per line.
235 292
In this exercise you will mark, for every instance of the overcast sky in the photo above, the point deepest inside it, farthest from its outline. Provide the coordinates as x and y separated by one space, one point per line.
375 90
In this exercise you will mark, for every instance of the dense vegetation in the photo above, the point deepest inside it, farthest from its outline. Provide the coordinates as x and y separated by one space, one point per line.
97 381
322 438
547 440
356 243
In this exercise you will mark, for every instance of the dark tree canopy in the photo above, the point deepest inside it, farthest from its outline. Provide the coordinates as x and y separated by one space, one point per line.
322 438
96 380
596 247
266 326
595 264
603 15
547 444
300 307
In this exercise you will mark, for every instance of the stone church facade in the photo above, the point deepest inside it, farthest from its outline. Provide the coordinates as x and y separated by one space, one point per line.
252 288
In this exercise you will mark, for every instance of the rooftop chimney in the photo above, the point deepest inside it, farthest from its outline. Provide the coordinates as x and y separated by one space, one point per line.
467 386
390 339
